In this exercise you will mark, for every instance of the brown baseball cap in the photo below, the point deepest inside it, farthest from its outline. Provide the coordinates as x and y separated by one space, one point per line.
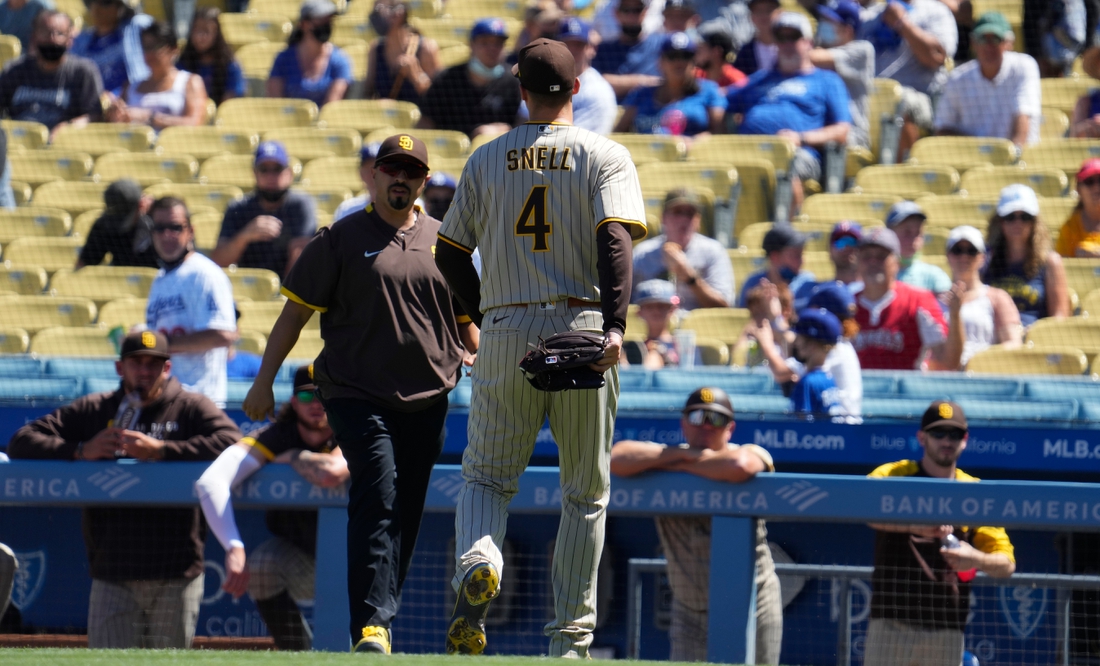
303 379
943 413
149 343
683 195
545 66
403 148
711 399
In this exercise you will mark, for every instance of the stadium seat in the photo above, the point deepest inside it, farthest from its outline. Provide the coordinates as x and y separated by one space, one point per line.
718 179
241 29
256 61
307 348
22 192
124 312
849 206
935 240
1090 304
1063 93
472 10
52 254
22 279
352 27
14 341
963 152
450 30
894 408
884 121
25 133
10 49
262 115
443 143
101 138
103 283
1080 332
646 148
988 181
44 166
1083 275
366 116
954 209
259 284
1064 154
31 390
672 402
732 147
997 411
69 341
252 342
454 54
746 261
146 169
261 315
635 326
1053 124
207 228
712 351
956 385
1064 388
908 181
686 381
236 171
356 51
333 172
723 324
34 313
83 223
287 8
207 141
327 198
196 195
88 368
1030 360
451 166
1054 211
27 222
307 143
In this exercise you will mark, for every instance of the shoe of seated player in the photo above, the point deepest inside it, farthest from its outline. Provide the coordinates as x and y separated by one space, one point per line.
375 639
466 630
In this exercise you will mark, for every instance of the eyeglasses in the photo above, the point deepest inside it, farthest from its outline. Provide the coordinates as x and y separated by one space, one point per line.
395 169
1019 217
1090 182
968 251
954 434
698 417
631 10
785 37
174 228
844 243
271 170
682 56
306 397
990 40
152 48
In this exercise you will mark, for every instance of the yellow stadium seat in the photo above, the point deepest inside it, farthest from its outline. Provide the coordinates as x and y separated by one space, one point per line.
472 10
456 54
27 222
1090 306
327 198
427 9
712 351
72 197
207 227
1080 332
1082 275
43 166
102 138
1054 211
451 166
883 103
752 236
443 143
746 262
207 141
34 313
908 180
368 115
954 209
308 347
261 316
1029 360
287 8
1064 154
635 326
838 207
262 115
308 143
1053 124
22 192
103 283
447 29
963 152
52 254
480 140
236 170
716 178
756 200
146 168
337 172
241 29
22 279
10 48
14 341
819 264
252 342
732 148
196 195
722 324
356 51
83 223
124 312
989 181
256 60
72 341
26 133
646 148
1063 93
259 284
353 26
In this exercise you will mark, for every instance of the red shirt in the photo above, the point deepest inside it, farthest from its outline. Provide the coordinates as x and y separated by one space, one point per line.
731 76
893 330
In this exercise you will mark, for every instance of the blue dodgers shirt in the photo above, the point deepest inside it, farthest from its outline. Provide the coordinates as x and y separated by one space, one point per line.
772 101
815 393
694 108
286 68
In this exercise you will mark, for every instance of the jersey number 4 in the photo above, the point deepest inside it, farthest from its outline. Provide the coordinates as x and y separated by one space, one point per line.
532 219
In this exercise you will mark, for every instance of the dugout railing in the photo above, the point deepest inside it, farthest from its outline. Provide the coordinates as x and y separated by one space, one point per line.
802 498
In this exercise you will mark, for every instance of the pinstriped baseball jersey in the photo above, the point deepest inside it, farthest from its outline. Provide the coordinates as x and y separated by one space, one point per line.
530 199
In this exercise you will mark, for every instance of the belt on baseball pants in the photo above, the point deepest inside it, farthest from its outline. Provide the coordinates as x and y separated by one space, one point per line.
569 303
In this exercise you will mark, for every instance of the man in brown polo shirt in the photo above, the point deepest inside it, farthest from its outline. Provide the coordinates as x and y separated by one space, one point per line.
393 348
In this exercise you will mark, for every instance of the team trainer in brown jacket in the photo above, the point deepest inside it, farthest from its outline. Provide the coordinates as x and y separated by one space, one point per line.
146 563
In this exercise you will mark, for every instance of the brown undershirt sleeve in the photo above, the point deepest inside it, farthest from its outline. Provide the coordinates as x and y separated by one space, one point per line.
457 267
614 251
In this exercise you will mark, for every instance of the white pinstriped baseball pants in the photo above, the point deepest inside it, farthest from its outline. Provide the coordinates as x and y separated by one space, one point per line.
893 643
506 414
156 614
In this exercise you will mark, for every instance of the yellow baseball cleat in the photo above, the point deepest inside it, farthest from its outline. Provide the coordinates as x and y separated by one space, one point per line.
375 639
466 630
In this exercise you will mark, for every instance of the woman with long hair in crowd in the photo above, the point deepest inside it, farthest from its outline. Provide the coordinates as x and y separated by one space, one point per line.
170 97
208 55
1021 260
402 62
311 67
112 41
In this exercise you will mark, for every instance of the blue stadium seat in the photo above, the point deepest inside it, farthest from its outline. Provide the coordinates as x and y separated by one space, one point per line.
667 401
40 389
880 383
939 386
1089 411
1063 388
635 379
1001 411
760 404
100 384
99 368
686 381
460 396
20 366
898 408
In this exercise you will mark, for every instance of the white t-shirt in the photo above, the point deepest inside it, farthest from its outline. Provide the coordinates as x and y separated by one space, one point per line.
196 296
976 106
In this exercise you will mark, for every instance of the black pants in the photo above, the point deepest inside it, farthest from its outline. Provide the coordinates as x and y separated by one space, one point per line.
390 456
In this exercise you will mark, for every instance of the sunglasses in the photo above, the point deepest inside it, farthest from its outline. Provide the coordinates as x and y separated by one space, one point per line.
845 242
411 171
682 56
152 48
1090 182
306 397
954 434
631 10
787 37
270 170
968 251
1019 217
698 417
174 228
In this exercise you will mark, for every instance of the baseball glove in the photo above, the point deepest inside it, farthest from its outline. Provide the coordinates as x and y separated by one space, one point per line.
560 362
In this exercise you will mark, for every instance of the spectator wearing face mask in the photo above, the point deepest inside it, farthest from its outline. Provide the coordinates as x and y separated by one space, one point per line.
124 229
311 67
402 62
852 59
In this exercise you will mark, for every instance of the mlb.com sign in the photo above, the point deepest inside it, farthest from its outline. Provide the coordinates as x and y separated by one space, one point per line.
792 439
